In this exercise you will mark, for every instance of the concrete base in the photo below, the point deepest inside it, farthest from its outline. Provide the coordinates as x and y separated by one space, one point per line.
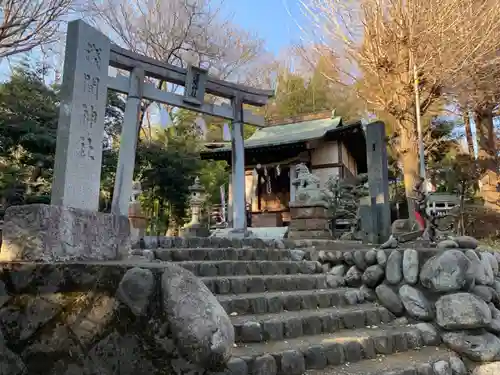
309 221
194 231
40 232
310 234
265 233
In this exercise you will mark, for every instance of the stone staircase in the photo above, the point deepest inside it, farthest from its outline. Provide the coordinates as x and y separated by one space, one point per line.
288 321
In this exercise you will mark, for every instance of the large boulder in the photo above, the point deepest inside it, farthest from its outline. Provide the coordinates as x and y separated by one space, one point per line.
493 261
199 324
447 272
462 311
484 292
393 269
457 366
410 266
415 303
429 333
492 368
466 242
381 258
447 244
371 257
477 346
389 299
338 270
373 276
483 273
494 325
136 288
359 260
353 277
11 363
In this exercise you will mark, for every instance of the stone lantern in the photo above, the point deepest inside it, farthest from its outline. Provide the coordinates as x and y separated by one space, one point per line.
194 228
136 216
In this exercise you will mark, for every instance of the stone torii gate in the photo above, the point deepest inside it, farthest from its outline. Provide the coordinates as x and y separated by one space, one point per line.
77 171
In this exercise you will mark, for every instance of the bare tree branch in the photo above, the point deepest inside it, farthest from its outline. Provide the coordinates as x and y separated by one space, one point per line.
380 41
179 32
27 24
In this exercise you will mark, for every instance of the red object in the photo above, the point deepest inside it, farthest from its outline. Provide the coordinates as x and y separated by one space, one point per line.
420 220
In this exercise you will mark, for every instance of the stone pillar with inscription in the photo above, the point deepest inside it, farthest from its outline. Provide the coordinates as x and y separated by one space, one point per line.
378 181
71 228
80 132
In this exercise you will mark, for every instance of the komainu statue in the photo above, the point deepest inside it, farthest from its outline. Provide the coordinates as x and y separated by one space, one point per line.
307 186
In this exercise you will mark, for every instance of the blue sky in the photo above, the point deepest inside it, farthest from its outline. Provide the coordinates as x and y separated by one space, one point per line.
270 19
274 21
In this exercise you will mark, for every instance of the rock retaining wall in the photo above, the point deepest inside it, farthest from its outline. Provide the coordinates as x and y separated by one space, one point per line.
86 319
453 290
154 242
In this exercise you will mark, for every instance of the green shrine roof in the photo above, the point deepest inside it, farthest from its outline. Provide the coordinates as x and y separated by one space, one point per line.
291 139
288 133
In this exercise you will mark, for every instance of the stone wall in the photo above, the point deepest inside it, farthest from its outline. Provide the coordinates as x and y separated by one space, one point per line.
154 242
109 318
452 293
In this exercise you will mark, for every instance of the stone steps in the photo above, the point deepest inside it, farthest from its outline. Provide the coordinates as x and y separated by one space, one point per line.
264 283
217 254
275 302
346 346
413 362
261 267
288 321
293 324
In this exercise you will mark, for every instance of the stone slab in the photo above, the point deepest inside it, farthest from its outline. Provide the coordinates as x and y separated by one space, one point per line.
165 242
309 224
264 233
310 234
194 231
277 302
252 267
306 322
40 232
306 212
264 283
215 254
409 236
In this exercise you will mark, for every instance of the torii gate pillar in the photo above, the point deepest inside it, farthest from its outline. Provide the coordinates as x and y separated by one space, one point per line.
239 216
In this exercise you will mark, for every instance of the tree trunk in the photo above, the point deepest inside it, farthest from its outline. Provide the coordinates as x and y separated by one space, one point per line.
483 117
468 134
408 156
161 210
487 155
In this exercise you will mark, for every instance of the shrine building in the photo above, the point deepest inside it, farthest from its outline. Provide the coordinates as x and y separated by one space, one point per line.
321 141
